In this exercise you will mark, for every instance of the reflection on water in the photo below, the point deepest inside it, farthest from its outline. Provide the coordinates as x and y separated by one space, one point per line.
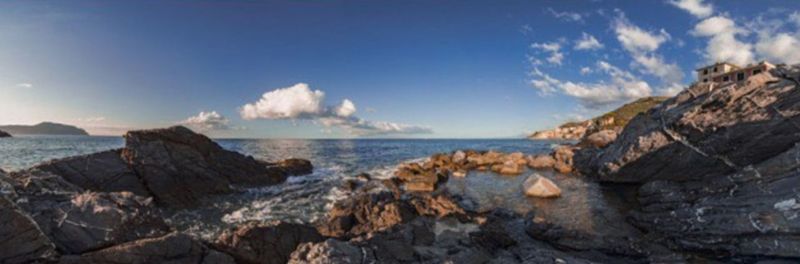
584 206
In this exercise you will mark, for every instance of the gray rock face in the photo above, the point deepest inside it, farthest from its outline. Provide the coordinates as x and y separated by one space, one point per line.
718 168
331 251
172 248
101 172
706 131
270 243
21 240
77 221
179 167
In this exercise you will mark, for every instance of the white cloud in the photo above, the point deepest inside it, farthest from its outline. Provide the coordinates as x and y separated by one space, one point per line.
566 16
345 109
723 45
795 17
207 121
622 86
25 85
695 7
779 48
300 102
554 48
642 46
586 70
297 101
587 42
94 119
635 39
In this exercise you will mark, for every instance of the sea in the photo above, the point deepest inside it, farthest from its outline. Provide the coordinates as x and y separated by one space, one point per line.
302 198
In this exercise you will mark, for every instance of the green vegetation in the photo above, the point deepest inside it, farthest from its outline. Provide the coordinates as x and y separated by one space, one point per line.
625 113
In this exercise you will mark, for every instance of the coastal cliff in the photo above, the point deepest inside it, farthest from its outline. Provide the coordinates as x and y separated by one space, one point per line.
613 120
44 128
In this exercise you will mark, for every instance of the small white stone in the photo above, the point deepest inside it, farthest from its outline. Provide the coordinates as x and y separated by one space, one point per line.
539 186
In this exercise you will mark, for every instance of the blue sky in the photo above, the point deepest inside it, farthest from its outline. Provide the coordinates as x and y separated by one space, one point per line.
431 69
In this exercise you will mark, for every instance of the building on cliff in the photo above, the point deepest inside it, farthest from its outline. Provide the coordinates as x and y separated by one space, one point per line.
723 72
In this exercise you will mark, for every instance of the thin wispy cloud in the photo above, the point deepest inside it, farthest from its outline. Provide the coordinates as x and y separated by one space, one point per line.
300 102
622 86
587 42
25 85
553 48
566 15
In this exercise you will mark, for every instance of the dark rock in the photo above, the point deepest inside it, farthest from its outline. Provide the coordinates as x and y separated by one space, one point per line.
3 134
102 172
266 243
365 213
180 167
296 166
96 220
172 248
21 240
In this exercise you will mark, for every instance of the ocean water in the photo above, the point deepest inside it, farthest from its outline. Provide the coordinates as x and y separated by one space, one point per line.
299 199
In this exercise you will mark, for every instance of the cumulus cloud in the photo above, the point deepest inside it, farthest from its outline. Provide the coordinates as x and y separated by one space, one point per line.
554 48
695 7
622 86
635 39
776 41
297 101
207 121
586 70
642 46
587 42
566 16
301 102
723 44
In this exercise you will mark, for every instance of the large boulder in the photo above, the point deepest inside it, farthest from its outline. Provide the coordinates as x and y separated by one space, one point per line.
705 131
96 220
171 248
270 243
365 213
21 240
102 172
180 167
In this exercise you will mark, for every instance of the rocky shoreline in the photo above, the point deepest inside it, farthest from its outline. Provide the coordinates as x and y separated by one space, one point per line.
708 176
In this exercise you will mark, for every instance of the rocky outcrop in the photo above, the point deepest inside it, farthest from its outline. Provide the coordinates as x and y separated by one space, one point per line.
21 240
598 139
180 167
175 166
269 243
172 248
717 167
101 172
4 134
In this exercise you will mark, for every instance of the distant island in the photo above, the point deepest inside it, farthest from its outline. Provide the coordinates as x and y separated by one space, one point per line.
44 128
4 134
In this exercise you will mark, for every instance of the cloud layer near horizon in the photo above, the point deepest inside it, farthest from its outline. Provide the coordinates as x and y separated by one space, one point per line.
301 102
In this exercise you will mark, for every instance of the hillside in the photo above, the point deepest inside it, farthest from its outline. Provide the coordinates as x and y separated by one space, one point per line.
614 120
44 128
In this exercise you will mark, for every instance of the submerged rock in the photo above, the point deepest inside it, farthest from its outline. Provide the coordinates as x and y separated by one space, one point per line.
538 186
266 243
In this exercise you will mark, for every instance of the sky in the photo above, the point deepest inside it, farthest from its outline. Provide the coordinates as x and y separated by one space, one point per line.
347 69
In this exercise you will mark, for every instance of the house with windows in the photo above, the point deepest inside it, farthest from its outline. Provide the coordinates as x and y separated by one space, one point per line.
723 72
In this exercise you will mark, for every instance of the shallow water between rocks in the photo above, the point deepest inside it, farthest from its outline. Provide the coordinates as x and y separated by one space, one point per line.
584 205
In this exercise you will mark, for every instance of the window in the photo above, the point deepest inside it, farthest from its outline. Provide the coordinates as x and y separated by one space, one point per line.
726 78
705 80
740 76
715 69
756 71
705 71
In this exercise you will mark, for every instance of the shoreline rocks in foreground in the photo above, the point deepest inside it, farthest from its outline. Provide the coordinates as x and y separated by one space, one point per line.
106 207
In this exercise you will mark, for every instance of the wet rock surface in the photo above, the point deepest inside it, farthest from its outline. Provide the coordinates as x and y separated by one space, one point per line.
266 243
